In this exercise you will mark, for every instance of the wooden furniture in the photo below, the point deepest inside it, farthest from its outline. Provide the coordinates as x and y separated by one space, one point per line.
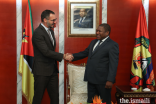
125 92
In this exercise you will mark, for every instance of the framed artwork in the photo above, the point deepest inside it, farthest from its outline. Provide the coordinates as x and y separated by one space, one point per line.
83 19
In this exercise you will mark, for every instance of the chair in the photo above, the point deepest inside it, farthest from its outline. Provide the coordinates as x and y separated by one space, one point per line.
78 88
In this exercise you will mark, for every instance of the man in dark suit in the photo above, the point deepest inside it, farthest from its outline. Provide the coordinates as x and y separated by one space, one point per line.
101 65
84 21
45 66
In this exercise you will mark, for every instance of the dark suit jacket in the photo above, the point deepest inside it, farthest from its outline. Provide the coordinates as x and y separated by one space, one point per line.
102 64
86 23
45 56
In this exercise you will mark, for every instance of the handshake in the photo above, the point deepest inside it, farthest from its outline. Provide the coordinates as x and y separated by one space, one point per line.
68 56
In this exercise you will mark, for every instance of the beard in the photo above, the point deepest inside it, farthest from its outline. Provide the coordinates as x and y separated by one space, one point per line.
50 25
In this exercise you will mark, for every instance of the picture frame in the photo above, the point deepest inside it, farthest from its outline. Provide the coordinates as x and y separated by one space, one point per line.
83 18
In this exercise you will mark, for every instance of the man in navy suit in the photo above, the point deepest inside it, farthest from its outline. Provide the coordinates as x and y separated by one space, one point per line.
101 68
84 21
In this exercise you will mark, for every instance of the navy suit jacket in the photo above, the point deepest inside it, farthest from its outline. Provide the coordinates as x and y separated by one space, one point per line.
102 64
86 23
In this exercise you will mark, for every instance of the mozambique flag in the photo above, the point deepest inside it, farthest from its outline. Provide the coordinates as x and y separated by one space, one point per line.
26 57
142 73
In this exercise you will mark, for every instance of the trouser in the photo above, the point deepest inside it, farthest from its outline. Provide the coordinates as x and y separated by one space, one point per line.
43 82
100 90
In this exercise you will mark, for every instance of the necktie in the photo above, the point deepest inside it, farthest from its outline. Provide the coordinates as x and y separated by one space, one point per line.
51 38
80 22
96 46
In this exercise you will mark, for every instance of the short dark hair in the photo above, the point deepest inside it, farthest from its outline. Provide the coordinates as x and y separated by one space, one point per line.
46 14
106 27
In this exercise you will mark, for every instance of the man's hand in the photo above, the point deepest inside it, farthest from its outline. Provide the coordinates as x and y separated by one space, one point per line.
109 84
68 56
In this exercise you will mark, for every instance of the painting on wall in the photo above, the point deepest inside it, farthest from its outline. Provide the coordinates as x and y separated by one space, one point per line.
83 19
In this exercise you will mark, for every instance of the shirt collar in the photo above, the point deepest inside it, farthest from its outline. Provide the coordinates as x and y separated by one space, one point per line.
104 39
83 18
44 27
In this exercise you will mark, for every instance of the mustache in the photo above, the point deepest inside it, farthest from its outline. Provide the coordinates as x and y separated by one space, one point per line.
52 25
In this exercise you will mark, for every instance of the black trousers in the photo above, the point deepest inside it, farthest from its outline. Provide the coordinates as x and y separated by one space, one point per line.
100 90
43 82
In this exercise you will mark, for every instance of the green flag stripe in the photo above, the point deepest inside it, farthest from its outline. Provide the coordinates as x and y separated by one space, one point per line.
30 16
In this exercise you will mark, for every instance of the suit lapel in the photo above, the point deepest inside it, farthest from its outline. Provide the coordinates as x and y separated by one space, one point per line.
92 45
102 45
46 34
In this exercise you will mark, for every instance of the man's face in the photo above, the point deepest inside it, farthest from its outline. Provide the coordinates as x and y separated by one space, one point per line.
101 33
82 13
51 21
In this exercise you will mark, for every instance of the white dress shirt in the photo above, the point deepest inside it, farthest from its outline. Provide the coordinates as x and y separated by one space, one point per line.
82 18
100 43
47 29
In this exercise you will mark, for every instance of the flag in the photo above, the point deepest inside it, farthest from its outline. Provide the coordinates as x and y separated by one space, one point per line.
142 73
26 57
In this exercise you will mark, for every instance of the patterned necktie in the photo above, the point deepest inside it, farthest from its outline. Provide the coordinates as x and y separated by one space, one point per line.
51 38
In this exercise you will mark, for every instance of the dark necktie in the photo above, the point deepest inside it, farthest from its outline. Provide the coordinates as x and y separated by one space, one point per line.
96 47
80 22
51 38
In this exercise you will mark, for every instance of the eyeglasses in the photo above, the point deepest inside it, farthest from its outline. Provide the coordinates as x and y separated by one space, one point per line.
54 20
